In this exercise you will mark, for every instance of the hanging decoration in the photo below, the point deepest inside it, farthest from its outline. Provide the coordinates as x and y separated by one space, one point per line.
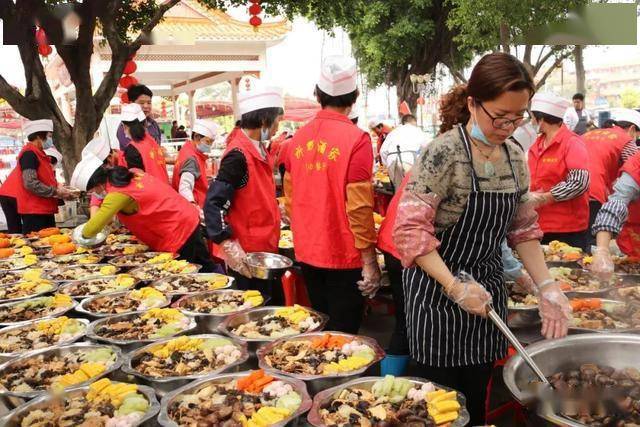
127 80
44 48
254 10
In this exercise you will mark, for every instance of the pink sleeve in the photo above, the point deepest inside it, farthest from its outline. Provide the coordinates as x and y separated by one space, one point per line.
414 231
524 226
361 163
95 201
576 155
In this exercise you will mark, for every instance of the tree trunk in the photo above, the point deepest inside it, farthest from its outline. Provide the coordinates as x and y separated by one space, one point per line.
578 55
504 37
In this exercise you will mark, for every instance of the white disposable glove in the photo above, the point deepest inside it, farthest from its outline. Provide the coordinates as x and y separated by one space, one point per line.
471 296
371 274
235 257
524 284
602 264
554 309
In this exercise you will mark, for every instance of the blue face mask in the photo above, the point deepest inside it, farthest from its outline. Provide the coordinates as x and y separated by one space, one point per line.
204 148
48 143
476 133
264 134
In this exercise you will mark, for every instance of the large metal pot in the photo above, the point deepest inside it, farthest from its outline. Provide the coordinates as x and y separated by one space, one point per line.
267 266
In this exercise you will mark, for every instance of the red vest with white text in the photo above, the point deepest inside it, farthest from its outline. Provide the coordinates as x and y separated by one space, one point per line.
202 184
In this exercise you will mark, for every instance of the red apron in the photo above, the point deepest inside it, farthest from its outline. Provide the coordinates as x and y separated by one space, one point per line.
152 157
29 203
202 184
254 216
629 237
548 167
604 147
318 159
385 234
165 220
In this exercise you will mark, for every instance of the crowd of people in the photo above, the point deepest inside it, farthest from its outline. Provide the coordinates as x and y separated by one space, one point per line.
509 169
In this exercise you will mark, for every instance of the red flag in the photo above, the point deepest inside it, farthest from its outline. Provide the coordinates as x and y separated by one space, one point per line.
404 108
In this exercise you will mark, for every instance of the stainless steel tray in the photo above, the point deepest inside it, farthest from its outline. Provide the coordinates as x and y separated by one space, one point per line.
81 308
58 313
49 274
54 287
126 261
197 276
159 274
63 288
576 329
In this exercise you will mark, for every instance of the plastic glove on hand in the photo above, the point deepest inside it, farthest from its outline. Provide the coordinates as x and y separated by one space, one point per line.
235 257
555 311
283 214
471 296
537 199
524 284
602 264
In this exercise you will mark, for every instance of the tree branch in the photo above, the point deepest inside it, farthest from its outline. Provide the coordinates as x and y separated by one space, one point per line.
544 59
550 70
10 94
155 20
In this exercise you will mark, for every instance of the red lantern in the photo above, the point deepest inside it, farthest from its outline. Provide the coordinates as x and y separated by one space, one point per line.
41 37
255 21
130 67
255 9
45 50
128 81
124 98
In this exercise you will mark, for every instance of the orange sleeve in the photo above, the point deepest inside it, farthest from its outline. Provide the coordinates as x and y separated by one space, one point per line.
360 213
288 191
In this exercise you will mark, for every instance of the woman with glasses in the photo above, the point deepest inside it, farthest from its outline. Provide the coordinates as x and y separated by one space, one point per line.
467 193
559 167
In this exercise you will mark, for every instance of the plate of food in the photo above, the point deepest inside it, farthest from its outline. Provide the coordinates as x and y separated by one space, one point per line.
130 331
602 315
102 403
211 308
46 333
67 273
578 282
138 259
322 359
57 368
120 249
18 263
628 294
245 398
189 284
26 289
16 312
122 238
151 272
98 286
522 307
390 400
76 258
127 302
30 274
561 253
173 362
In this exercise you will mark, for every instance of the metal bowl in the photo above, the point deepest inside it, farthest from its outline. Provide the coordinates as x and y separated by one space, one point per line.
197 277
210 322
63 288
267 266
77 237
298 386
317 383
139 273
6 356
54 287
82 307
366 383
129 345
523 317
256 314
165 385
59 351
13 418
610 304
60 312
50 274
126 261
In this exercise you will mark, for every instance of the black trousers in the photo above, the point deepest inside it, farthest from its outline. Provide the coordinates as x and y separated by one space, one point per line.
577 239
594 208
399 344
335 293
270 288
472 381
36 222
195 250
10 209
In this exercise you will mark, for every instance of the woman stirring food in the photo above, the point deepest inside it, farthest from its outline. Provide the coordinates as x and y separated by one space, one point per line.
467 193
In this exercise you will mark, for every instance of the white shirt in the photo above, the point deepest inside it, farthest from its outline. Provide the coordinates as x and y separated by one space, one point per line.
411 140
571 117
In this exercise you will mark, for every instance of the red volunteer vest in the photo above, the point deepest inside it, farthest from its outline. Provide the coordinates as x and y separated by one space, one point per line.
165 220
152 158
604 147
548 167
385 234
202 184
29 203
254 216
629 238
318 161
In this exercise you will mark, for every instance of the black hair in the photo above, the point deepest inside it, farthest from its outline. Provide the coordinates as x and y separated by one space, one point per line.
117 176
355 120
175 122
264 117
408 118
42 135
135 91
341 101
552 120
196 136
181 127
238 123
609 123
136 129
625 125
578 96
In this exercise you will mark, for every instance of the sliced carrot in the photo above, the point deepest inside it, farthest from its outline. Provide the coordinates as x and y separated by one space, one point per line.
593 303
564 286
260 383
6 252
4 243
246 382
576 304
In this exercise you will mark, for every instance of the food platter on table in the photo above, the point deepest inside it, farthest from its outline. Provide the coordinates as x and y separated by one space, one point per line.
580 282
18 312
192 283
120 249
66 273
127 302
603 315
148 273
98 286
26 289
142 258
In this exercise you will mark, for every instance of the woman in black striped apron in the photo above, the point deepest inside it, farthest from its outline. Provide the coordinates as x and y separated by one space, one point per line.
469 192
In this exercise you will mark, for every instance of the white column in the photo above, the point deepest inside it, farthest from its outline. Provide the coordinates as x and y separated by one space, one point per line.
234 97
192 108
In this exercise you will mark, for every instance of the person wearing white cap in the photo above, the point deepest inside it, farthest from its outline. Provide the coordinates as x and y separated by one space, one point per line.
30 194
608 149
156 214
241 211
380 130
559 167
329 197
190 171
401 147
143 152
101 148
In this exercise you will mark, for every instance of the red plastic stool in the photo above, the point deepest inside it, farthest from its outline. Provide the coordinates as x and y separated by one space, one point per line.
294 289
514 406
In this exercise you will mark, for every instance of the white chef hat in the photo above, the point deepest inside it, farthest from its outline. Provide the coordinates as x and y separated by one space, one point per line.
627 115
338 75
374 123
259 97
33 126
131 112
84 170
525 135
207 128
99 147
53 152
550 104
